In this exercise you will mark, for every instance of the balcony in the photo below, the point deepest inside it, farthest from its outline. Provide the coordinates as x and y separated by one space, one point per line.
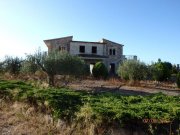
92 56
129 57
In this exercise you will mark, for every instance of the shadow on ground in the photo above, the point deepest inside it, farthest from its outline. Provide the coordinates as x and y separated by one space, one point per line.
118 90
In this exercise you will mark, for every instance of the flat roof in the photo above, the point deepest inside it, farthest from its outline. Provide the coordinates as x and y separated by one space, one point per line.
88 42
83 41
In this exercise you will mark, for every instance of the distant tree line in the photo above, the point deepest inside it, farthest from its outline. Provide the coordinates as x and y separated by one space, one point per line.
159 71
61 63
55 63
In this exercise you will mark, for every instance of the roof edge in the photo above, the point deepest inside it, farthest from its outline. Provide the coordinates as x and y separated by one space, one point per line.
57 38
112 41
89 42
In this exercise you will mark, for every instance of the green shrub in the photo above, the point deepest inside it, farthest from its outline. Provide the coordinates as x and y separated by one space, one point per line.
1 67
161 71
100 70
29 67
86 70
178 80
12 64
132 70
59 63
98 108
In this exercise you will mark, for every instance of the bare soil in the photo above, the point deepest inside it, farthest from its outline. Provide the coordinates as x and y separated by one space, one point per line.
142 88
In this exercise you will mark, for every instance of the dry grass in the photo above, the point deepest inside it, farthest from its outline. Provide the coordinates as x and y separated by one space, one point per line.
115 82
144 84
19 118
159 85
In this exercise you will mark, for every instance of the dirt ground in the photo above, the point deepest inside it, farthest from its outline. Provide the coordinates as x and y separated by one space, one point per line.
142 88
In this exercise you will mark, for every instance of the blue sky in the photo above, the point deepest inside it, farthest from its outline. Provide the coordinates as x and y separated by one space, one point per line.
149 29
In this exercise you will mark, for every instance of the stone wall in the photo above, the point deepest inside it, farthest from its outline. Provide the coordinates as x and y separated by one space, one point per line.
103 48
118 57
74 48
54 44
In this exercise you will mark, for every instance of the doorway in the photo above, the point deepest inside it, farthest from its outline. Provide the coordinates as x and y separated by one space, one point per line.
112 68
91 67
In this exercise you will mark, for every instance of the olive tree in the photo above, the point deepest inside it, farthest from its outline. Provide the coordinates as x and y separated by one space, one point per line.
12 64
178 80
161 71
29 65
1 67
132 70
59 63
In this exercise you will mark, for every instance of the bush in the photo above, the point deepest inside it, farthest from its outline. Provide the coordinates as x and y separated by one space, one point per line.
161 71
100 70
12 65
86 70
70 65
59 63
132 70
1 67
178 80
29 67
41 74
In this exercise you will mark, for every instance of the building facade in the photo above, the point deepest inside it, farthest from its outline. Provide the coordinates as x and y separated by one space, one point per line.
106 51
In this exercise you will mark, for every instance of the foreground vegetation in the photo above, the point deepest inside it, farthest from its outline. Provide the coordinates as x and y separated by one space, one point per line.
153 114
97 108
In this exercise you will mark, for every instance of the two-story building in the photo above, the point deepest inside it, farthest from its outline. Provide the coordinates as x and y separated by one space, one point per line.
110 53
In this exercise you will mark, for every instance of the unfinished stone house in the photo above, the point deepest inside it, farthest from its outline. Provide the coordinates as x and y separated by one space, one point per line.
106 51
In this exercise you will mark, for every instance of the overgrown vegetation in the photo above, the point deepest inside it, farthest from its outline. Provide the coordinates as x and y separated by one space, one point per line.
59 63
178 80
97 108
132 70
100 70
54 63
29 65
11 65
66 65
110 107
161 71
